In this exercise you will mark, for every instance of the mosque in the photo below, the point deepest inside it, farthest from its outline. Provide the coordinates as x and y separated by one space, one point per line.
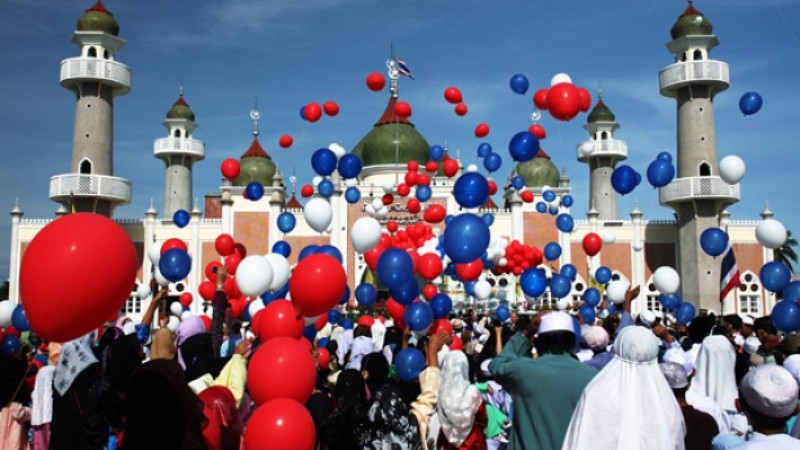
634 247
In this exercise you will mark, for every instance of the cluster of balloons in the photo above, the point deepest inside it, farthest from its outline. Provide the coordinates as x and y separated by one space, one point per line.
491 160
563 100
660 172
312 112
453 96
519 257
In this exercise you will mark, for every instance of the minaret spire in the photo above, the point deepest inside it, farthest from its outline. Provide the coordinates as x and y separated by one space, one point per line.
255 116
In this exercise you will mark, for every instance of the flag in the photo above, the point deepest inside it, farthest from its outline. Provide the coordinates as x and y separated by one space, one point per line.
729 273
403 68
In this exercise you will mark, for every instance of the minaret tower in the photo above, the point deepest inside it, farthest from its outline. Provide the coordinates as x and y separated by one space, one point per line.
697 194
95 78
179 150
602 152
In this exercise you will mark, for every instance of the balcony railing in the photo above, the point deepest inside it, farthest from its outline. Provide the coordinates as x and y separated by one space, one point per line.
105 187
184 146
610 147
682 74
698 188
81 69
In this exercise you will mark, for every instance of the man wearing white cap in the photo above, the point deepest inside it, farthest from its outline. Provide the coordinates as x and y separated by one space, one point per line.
545 390
700 427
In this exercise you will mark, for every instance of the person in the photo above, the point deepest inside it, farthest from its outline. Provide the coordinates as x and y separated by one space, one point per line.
14 396
42 407
631 397
461 412
163 346
344 428
597 339
715 378
545 390
700 427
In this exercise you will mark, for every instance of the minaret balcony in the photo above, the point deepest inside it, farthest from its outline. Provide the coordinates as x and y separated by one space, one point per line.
604 148
170 146
683 74
75 71
690 189
103 187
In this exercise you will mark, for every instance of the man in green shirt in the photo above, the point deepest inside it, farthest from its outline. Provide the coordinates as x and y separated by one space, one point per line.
545 390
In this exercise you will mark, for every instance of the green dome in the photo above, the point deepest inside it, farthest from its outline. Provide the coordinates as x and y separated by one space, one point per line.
256 165
380 145
600 113
180 110
691 22
539 171
98 18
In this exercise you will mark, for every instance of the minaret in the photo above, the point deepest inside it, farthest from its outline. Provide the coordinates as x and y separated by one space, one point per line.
602 152
95 78
179 150
697 194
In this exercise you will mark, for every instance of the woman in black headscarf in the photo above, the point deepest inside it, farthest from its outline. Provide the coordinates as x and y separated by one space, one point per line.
198 355
344 429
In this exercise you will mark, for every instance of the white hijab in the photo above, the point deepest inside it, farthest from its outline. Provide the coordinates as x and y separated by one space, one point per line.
715 375
42 398
458 399
361 347
76 355
628 405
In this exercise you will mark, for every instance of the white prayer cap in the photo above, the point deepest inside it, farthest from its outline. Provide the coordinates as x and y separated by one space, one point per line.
675 375
555 321
751 345
748 320
771 390
738 340
792 364
647 317
596 337
680 357
485 367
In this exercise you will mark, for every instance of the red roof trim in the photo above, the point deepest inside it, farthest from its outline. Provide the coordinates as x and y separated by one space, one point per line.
99 6
541 154
294 203
691 11
600 104
180 102
256 151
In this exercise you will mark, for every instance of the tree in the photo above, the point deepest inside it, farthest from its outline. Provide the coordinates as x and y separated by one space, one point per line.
786 253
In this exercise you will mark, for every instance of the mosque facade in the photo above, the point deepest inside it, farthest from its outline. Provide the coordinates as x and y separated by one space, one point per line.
634 247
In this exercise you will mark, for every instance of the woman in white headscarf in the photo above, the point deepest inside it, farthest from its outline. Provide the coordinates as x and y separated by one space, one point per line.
629 404
461 412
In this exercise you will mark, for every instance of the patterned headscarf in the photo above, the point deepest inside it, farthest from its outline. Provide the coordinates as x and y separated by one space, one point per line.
76 356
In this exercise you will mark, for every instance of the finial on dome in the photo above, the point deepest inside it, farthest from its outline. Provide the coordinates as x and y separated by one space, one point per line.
255 116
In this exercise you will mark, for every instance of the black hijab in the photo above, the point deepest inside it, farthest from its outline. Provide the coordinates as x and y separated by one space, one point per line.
198 355
377 369
344 429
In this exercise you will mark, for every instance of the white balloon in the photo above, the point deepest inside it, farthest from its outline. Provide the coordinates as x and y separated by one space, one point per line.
667 280
7 308
377 203
616 291
472 168
163 282
176 308
255 306
771 233
318 214
154 252
280 271
337 149
143 291
254 275
365 234
731 169
502 294
388 187
647 317
502 262
562 304
560 78
350 182
173 323
637 246
546 188
482 290
369 209
586 148
609 238
186 314
381 213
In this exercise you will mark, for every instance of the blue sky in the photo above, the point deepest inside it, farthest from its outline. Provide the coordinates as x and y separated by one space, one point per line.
289 53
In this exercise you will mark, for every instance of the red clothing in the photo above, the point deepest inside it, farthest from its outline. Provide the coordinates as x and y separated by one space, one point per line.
476 439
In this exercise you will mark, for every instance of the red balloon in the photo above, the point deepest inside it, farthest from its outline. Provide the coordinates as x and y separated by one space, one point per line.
429 291
376 81
331 108
430 266
431 166
413 165
92 259
563 101
392 226
481 130
230 168
206 322
492 187
230 288
439 325
540 98
470 271
366 320
413 206
307 190
322 320
435 213
395 310
461 109
457 344
237 306
324 356
186 299
527 196
453 95
232 261
207 289
281 424
318 283
11 330
211 270
387 199
224 244
281 355
592 243
538 131
279 318
586 99
402 109
286 141
423 179
312 112
371 257
171 243
403 189
450 167
212 432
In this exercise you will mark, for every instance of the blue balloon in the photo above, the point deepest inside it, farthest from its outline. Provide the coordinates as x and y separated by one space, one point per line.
310 332
664 156
533 282
325 188
502 313
492 162
333 316
469 287
552 251
352 195
569 271
447 219
541 207
395 267
350 166
407 293
484 150
308 250
11 345
560 286
567 200
181 218
588 314
254 191
466 237
323 342
792 291
565 223
345 295
611 308
519 84
518 182
786 316
602 275
175 264
669 301
549 195
592 297
660 173
331 251
286 221
488 218
624 179
282 248
750 103
303 112
523 146
471 190
408 364
714 241
775 276
323 161
685 313
348 324
366 294
424 193
441 305
20 319
418 316
436 152
553 210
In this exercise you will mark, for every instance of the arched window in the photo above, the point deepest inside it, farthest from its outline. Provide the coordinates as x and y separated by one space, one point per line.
749 294
85 167
652 294
603 135
177 133
105 54
704 169
578 287
683 57
698 55
92 53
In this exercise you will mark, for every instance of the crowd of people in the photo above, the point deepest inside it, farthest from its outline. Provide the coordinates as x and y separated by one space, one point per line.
543 381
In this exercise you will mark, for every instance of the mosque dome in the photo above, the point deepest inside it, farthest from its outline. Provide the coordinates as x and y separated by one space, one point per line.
691 22
539 171
393 140
180 110
256 165
98 18
600 113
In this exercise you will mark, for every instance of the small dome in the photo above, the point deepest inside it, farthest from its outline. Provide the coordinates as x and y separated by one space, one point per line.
98 18
600 113
256 165
393 140
180 110
691 22
539 171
